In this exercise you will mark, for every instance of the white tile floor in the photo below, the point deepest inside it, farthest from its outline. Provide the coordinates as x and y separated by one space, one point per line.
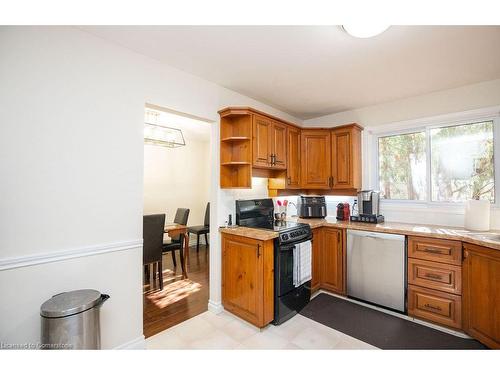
225 331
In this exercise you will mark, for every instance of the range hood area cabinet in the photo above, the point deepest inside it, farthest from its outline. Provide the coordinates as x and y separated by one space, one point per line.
254 143
331 159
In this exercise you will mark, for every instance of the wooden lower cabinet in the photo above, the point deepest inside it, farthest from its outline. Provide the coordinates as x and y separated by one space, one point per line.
481 294
248 278
316 259
436 250
333 260
433 275
435 306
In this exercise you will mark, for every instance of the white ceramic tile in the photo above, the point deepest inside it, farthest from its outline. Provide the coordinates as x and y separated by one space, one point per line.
265 340
217 320
239 331
225 331
215 340
194 329
166 340
290 328
316 338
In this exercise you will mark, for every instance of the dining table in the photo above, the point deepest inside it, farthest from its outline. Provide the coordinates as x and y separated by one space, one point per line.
173 229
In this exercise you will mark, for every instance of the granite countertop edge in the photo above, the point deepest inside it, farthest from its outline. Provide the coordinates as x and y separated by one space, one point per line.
421 230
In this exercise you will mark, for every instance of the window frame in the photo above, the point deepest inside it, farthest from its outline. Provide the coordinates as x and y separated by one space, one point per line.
426 125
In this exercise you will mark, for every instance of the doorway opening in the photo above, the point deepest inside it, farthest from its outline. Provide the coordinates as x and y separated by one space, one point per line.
177 177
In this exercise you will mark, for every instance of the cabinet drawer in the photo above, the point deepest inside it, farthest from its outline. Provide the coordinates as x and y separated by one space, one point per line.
437 307
439 276
444 251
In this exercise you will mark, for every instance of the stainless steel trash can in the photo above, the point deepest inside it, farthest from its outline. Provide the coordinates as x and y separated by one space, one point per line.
70 320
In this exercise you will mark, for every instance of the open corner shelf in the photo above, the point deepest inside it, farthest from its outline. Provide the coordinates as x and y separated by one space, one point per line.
235 139
236 150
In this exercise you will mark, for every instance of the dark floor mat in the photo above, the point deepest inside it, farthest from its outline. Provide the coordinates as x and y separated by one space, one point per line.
380 329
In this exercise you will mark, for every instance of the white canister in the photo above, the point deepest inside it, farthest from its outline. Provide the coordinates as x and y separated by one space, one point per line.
477 215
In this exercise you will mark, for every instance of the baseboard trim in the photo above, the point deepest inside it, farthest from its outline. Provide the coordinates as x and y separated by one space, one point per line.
138 343
215 307
56 256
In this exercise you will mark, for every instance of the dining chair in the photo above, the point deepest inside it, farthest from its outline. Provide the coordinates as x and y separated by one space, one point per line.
177 241
152 229
198 230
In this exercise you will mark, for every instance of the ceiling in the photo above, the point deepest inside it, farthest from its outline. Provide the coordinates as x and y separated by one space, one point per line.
310 71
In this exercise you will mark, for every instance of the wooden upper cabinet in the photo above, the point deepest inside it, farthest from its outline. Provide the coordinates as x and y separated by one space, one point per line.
248 278
346 157
278 145
293 158
333 260
315 159
481 294
261 138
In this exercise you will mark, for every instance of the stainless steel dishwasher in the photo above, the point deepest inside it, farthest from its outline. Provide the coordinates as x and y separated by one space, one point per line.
376 268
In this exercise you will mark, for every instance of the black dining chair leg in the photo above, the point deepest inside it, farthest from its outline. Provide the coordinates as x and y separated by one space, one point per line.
160 270
197 242
181 253
206 239
173 259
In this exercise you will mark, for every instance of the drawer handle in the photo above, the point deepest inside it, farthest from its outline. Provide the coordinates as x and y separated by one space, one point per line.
437 308
432 251
433 276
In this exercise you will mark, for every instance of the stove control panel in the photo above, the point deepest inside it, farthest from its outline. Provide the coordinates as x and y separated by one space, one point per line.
295 234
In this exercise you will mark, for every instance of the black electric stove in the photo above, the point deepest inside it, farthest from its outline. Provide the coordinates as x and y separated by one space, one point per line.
259 213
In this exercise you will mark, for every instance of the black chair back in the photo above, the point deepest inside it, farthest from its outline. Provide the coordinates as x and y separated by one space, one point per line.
181 217
207 215
152 229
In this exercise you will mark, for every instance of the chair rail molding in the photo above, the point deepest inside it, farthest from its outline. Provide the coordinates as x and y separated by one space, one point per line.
56 256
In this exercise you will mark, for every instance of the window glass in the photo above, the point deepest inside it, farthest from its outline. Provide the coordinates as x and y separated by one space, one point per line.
462 164
402 166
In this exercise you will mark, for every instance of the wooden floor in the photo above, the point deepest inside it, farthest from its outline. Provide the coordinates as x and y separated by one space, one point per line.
180 299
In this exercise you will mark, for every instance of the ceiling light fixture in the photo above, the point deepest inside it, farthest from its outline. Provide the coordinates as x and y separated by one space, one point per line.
364 30
160 135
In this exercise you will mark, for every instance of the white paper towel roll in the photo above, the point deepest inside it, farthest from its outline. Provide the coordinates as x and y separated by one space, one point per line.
477 215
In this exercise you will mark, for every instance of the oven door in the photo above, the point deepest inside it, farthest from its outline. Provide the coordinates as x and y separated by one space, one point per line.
284 269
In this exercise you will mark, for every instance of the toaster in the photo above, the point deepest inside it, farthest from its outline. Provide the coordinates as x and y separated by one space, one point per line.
311 206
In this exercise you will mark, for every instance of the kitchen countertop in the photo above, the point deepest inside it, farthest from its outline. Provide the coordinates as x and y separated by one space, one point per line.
435 231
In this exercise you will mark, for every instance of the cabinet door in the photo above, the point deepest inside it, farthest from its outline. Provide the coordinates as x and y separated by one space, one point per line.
316 260
346 158
315 163
278 145
332 273
261 138
293 158
481 294
242 277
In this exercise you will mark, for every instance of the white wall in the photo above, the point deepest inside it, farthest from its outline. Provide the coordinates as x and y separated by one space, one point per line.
71 161
177 177
462 99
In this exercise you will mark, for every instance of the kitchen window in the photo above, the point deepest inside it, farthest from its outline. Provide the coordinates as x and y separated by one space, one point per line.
445 163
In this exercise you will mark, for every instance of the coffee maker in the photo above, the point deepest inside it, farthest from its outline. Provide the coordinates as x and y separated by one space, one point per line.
368 207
